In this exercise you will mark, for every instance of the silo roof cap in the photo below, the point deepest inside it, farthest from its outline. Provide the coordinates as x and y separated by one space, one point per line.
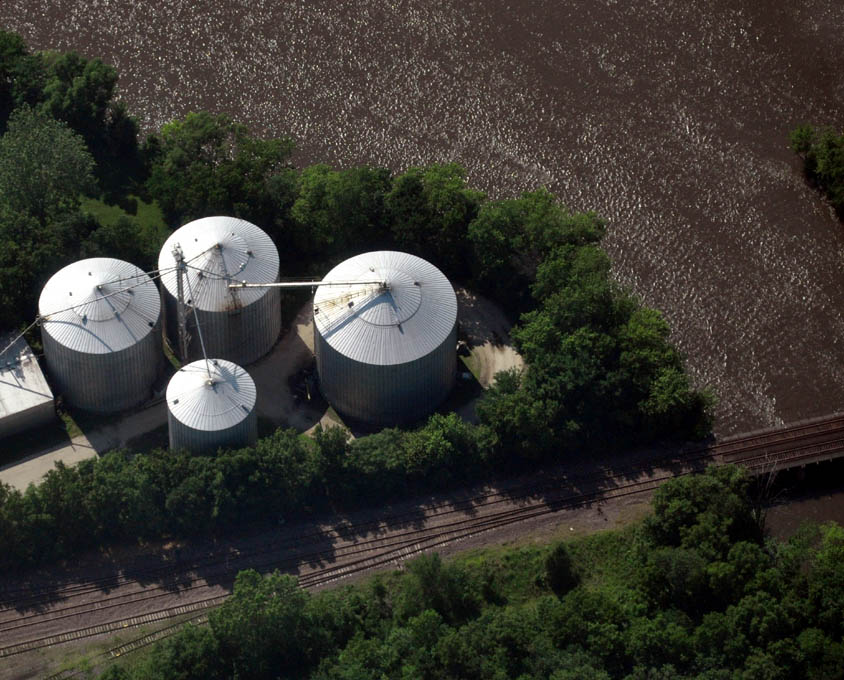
219 251
99 305
406 314
211 397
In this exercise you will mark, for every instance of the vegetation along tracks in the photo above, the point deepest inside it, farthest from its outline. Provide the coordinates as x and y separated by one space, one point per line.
446 523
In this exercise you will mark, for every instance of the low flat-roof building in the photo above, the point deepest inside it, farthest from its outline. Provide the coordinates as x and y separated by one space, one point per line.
26 400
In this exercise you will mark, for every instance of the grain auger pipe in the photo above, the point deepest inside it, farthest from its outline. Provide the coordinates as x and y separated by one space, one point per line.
307 284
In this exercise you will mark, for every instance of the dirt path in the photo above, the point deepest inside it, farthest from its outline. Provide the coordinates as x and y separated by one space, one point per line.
486 331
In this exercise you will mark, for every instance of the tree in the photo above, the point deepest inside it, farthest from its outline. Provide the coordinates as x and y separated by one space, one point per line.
336 211
262 629
125 239
656 641
512 237
707 512
12 52
676 577
559 573
80 92
589 619
822 151
44 167
22 76
826 580
209 165
444 588
13 539
31 253
429 211
522 423
191 654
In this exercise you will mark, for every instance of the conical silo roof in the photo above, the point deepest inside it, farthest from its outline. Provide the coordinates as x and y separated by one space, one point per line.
405 315
211 396
99 305
217 251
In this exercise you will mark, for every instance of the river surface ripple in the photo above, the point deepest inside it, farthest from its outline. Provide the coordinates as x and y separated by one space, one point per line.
667 117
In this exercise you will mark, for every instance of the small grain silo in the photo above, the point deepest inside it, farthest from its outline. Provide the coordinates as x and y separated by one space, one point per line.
386 347
238 325
211 404
101 330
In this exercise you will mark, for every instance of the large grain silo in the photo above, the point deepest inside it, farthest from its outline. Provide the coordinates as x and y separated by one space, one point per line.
239 325
386 348
101 330
211 404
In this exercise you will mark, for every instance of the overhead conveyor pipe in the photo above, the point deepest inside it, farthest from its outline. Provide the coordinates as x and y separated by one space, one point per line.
306 284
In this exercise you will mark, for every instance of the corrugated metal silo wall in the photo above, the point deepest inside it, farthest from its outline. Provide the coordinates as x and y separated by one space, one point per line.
386 395
245 433
241 336
105 383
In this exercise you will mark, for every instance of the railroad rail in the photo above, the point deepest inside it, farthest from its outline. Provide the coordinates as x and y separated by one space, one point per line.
34 618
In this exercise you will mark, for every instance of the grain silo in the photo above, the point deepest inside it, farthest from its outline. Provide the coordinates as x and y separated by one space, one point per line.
239 325
385 349
211 404
101 330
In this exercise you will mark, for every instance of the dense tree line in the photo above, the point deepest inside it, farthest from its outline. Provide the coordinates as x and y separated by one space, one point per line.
601 371
600 367
695 592
822 151
122 497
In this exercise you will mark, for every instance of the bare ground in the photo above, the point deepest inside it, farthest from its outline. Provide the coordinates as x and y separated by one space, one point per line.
486 331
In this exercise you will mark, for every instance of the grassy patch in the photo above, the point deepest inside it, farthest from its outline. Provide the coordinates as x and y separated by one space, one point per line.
471 364
148 215
517 571
333 416
71 427
605 558
140 234
171 357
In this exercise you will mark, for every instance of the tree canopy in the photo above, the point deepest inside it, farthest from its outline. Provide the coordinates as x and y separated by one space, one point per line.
822 150
209 165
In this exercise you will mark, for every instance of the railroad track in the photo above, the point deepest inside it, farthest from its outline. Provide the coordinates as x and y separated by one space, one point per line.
759 452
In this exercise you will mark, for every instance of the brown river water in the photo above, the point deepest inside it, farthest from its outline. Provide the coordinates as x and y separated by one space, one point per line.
669 118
